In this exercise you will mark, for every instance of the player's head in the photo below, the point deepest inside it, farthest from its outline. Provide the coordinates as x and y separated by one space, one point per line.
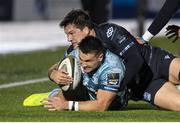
77 25
91 53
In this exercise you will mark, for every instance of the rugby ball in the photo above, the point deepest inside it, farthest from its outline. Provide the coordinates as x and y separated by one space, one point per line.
71 65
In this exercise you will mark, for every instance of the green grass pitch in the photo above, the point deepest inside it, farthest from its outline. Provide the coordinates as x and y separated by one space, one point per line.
32 65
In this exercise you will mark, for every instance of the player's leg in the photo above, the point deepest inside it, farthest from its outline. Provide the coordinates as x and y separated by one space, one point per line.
174 71
168 97
165 65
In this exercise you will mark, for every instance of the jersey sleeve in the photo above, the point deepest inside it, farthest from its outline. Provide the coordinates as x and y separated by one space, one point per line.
69 50
122 43
165 14
111 79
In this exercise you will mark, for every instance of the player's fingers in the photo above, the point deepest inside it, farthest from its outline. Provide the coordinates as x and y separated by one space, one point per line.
53 109
44 101
176 37
65 76
48 106
170 27
63 71
65 81
172 35
170 32
48 100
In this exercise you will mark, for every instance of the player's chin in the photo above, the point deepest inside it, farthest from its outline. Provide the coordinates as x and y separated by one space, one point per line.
87 70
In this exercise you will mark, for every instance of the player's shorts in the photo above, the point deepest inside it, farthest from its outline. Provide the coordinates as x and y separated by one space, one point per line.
159 64
152 76
152 89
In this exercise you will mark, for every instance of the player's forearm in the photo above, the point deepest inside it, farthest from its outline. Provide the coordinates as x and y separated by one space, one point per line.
102 103
93 106
164 15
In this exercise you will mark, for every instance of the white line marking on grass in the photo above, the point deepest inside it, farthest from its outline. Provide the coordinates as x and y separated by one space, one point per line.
14 84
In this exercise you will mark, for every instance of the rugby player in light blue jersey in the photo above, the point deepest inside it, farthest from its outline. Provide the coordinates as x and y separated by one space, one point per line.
103 73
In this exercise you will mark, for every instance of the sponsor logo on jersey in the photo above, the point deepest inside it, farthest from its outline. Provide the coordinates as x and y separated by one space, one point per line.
167 57
113 79
109 32
121 39
147 96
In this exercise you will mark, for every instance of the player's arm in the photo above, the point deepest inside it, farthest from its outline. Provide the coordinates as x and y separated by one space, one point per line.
164 15
102 103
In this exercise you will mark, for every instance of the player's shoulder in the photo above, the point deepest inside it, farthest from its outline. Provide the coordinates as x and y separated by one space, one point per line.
75 53
110 30
106 26
109 56
112 62
68 51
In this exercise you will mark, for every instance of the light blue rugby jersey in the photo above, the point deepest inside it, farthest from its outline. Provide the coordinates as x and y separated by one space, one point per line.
108 76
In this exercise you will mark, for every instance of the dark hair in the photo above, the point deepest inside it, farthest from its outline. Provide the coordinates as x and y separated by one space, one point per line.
77 17
91 44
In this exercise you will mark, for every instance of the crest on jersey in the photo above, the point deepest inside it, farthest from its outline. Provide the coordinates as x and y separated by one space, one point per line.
167 57
113 79
147 96
109 32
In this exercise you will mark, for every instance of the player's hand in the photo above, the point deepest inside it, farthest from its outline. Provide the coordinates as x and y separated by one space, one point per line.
173 31
61 77
55 104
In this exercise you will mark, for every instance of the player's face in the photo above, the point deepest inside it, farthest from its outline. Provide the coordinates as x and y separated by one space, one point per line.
90 61
75 35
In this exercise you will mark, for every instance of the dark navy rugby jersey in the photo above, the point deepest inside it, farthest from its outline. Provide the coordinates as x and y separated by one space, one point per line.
119 41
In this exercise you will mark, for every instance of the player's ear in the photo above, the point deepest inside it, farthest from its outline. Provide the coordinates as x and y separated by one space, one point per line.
101 56
86 30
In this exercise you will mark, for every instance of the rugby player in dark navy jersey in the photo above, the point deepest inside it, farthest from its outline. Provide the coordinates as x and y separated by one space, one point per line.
151 73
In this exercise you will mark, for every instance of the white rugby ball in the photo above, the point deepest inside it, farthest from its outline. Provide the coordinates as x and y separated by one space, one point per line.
71 65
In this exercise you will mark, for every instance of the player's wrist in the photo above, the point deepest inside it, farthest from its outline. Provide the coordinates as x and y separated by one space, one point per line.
73 106
147 37
143 40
